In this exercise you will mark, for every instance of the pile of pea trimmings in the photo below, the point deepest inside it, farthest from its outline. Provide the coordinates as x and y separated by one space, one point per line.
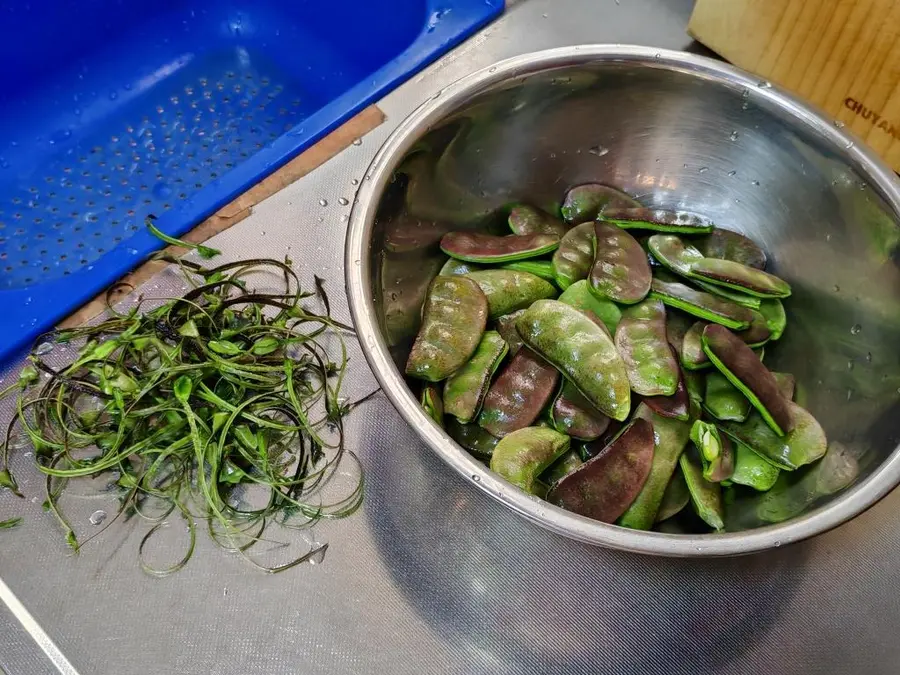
650 359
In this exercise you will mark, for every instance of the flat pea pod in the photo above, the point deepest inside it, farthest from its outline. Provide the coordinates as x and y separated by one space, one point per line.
675 498
573 259
641 341
620 271
723 400
404 283
518 394
730 295
432 404
585 202
454 318
478 247
715 450
506 326
741 278
527 219
695 384
673 253
752 470
744 370
606 485
787 384
670 438
805 443
659 220
539 268
579 296
706 497
526 453
692 354
510 290
729 245
472 437
678 405
464 391
702 305
572 414
582 351
776 319
561 468
677 324
454 267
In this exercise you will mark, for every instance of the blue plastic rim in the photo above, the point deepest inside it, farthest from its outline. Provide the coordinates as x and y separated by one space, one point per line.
111 111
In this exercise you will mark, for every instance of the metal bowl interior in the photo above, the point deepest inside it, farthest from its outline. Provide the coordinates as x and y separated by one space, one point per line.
679 131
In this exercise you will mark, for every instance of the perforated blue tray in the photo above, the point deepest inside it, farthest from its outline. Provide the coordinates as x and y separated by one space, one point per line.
110 111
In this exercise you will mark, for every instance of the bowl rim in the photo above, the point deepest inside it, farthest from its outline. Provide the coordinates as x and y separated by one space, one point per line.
358 272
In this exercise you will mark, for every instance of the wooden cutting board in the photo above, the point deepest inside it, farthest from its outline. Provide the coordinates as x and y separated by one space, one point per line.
842 55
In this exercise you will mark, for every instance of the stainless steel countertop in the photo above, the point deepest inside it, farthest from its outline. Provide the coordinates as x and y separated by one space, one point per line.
432 576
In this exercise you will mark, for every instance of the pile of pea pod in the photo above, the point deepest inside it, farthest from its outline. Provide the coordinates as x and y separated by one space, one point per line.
609 359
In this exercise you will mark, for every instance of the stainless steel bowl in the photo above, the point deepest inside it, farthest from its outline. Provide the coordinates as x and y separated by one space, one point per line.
674 130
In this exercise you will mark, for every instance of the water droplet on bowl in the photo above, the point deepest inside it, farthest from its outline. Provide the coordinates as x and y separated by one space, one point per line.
702 169
733 136
476 478
855 329
732 172
343 201
755 182
354 181
839 124
598 150
764 84
323 202
837 289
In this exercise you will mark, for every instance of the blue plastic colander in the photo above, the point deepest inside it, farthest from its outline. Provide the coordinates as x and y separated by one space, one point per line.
111 110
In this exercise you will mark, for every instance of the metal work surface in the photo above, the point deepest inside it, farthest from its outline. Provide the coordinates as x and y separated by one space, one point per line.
432 576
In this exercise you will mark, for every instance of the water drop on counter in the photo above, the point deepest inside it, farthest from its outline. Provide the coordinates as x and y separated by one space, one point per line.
318 555
323 202
354 181
855 329
358 141
839 124
97 517
44 348
343 201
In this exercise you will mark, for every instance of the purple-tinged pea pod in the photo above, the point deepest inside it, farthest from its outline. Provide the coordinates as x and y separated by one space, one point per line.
527 219
776 319
742 299
518 394
641 341
586 202
478 247
561 468
695 384
659 220
752 470
404 286
579 296
692 355
464 391
456 268
803 444
702 305
723 400
715 450
604 487
473 438
706 497
582 351
506 326
677 324
675 498
573 260
677 406
453 320
670 438
729 245
431 403
787 384
510 290
572 414
526 453
620 271
539 268
740 278
742 367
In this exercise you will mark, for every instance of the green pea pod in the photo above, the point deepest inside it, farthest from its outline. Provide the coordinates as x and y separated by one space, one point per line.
744 370
776 319
715 450
786 384
464 391
673 253
432 404
489 248
582 351
518 394
585 202
605 486
732 246
742 299
692 354
641 341
526 219
723 400
702 305
741 278
510 290
695 384
454 318
573 415
506 326
706 497
620 271
659 220
670 438
526 453
539 268
675 498
579 296
472 437
454 267
752 470
561 468
677 406
573 259
804 444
